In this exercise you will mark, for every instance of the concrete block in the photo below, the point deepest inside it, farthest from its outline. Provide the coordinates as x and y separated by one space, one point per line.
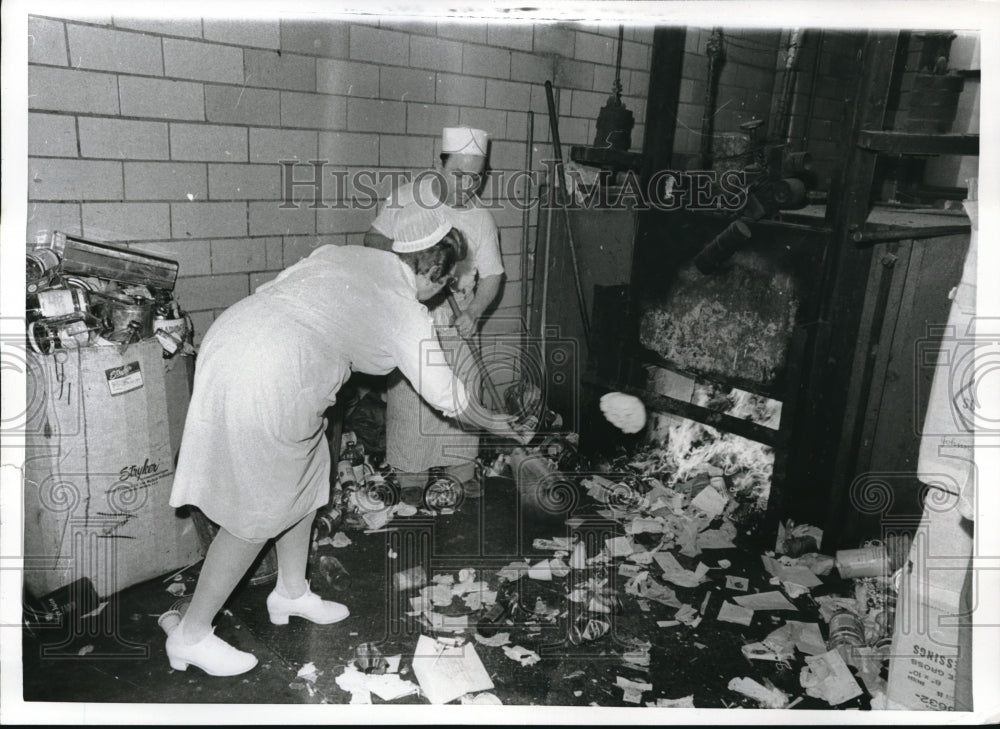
594 48
634 55
344 148
132 221
200 322
208 143
349 220
573 74
510 35
460 90
211 292
209 219
273 253
165 181
554 38
246 182
574 131
51 135
540 106
587 103
694 67
255 33
193 256
434 53
123 138
200 61
638 84
422 27
531 68
73 179
186 27
320 111
432 118
354 239
276 70
238 255
47 42
404 84
328 38
493 122
513 95
346 78
161 99
275 145
480 60
44 216
298 247
604 78
102 49
456 30
239 105
259 278
506 155
70 90
405 151
267 218
375 45
370 115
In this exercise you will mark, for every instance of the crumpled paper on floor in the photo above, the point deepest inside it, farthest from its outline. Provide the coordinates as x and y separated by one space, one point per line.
387 686
522 655
632 690
827 677
649 589
685 702
769 697
675 573
730 613
794 574
709 502
773 600
446 672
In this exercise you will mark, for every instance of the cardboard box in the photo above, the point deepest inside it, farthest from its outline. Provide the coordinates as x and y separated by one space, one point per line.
103 434
930 667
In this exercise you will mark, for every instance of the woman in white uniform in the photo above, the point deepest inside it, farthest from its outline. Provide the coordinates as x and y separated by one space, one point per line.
254 457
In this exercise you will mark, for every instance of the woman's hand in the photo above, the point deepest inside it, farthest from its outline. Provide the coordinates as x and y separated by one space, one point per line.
506 427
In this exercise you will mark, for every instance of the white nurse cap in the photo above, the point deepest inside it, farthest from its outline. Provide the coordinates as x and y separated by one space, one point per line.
416 228
464 140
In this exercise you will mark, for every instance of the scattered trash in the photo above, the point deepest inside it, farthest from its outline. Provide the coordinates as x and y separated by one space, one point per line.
827 677
769 697
764 601
177 589
493 641
667 623
625 412
410 579
742 584
369 659
447 672
85 650
731 613
483 699
387 686
308 672
522 655
632 690
685 702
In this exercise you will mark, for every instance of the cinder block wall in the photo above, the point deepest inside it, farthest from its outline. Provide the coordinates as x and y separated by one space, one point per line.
166 135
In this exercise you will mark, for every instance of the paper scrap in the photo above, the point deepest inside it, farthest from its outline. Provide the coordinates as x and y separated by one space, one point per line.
807 637
734 582
541 571
686 614
773 600
563 544
447 623
629 570
645 587
791 573
725 564
308 672
632 688
513 571
619 547
388 686
730 613
645 526
673 572
685 702
522 655
827 677
340 540
177 589
667 623
709 501
768 697
445 672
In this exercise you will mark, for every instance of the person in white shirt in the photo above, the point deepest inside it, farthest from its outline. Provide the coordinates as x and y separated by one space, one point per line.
254 457
417 438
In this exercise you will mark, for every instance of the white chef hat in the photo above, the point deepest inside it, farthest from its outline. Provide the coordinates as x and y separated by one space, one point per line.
416 227
464 140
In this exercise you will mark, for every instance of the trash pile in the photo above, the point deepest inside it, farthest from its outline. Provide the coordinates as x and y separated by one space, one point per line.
80 293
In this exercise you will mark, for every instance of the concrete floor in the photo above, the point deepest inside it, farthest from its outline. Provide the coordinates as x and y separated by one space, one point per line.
126 661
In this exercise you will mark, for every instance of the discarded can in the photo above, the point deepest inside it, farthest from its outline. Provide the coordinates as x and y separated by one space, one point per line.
847 632
368 659
865 562
586 629
411 579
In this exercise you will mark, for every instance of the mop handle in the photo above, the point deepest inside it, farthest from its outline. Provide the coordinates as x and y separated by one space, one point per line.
477 356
